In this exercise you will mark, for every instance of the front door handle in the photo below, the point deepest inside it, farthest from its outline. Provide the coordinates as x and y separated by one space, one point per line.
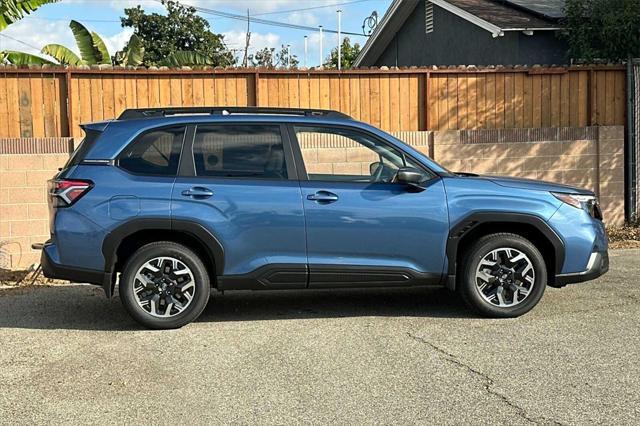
198 192
323 197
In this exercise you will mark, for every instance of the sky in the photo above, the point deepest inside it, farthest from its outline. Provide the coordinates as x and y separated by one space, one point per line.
50 23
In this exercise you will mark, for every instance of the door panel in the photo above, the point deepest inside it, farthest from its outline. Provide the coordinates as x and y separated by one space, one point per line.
240 184
373 226
257 222
363 228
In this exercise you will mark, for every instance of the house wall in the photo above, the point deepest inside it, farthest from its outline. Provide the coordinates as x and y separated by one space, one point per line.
456 41
590 157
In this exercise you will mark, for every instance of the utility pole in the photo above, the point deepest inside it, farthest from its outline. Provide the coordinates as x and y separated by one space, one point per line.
306 48
339 41
246 44
288 56
320 45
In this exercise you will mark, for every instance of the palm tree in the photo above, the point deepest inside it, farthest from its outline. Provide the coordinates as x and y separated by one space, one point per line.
14 10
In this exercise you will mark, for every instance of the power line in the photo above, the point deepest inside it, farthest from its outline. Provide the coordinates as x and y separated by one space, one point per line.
277 12
68 19
266 21
20 41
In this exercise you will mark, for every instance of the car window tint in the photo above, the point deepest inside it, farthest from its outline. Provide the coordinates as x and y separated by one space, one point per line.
346 155
155 153
239 151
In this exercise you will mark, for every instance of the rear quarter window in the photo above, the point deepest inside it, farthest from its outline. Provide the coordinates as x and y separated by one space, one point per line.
91 136
156 152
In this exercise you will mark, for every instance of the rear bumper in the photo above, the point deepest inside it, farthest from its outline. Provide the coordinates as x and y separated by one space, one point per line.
54 270
597 266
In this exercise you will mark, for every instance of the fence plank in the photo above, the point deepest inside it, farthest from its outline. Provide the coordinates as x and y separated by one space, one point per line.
545 101
610 94
108 107
583 98
462 102
518 100
405 94
619 99
37 109
50 106
385 121
4 108
452 101
509 104
490 102
601 90
565 118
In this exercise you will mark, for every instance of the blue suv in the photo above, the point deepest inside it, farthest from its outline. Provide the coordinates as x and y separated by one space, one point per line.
171 202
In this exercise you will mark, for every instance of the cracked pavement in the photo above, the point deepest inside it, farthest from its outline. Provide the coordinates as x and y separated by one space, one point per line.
399 356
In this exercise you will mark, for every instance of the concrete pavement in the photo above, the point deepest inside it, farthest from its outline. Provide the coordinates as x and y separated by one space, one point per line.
401 356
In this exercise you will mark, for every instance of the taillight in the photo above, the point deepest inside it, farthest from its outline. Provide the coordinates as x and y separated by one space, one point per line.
65 192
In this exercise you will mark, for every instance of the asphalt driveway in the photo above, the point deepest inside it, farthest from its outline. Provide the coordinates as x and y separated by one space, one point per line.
342 357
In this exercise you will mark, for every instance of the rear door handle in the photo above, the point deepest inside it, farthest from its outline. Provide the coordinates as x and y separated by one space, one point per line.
323 197
198 192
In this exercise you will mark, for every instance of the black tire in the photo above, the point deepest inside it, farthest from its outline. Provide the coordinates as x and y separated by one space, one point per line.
187 257
470 292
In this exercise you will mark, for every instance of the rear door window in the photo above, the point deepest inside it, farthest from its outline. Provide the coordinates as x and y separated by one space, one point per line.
156 152
239 151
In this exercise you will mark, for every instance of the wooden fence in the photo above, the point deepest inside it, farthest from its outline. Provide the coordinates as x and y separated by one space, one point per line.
53 102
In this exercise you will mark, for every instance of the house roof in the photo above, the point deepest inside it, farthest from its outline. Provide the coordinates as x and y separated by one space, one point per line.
501 14
552 9
495 16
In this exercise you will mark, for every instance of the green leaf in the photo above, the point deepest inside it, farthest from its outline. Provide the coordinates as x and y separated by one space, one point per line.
99 45
187 58
135 52
21 58
14 10
62 54
90 55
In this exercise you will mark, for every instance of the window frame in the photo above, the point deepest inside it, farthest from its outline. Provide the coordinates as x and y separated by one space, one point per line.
185 132
302 169
187 167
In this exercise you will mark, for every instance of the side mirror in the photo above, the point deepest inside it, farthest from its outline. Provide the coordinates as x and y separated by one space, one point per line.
409 176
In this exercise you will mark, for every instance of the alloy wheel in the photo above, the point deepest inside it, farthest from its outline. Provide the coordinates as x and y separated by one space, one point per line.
164 287
505 277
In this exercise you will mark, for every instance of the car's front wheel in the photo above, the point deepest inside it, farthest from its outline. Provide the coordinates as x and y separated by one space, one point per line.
502 275
164 285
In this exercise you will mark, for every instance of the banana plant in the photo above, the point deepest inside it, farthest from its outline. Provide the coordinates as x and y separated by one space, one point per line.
21 58
14 10
183 58
132 55
92 48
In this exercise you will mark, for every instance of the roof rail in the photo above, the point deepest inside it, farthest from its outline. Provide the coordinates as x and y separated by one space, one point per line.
137 113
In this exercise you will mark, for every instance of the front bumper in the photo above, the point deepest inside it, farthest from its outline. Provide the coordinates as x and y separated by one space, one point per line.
597 266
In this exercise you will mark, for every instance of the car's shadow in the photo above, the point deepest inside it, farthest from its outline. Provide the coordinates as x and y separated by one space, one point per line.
79 307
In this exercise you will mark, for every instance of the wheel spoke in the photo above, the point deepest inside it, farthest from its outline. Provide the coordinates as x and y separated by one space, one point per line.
483 275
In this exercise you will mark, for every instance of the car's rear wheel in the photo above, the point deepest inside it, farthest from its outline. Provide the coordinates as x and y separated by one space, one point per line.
164 285
502 275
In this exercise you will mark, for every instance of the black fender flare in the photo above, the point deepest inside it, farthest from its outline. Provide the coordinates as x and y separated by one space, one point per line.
472 221
203 235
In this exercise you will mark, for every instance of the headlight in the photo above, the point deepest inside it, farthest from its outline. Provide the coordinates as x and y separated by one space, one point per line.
590 202
575 200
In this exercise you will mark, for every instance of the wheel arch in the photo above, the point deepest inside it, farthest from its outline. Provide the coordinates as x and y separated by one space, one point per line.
130 236
531 227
